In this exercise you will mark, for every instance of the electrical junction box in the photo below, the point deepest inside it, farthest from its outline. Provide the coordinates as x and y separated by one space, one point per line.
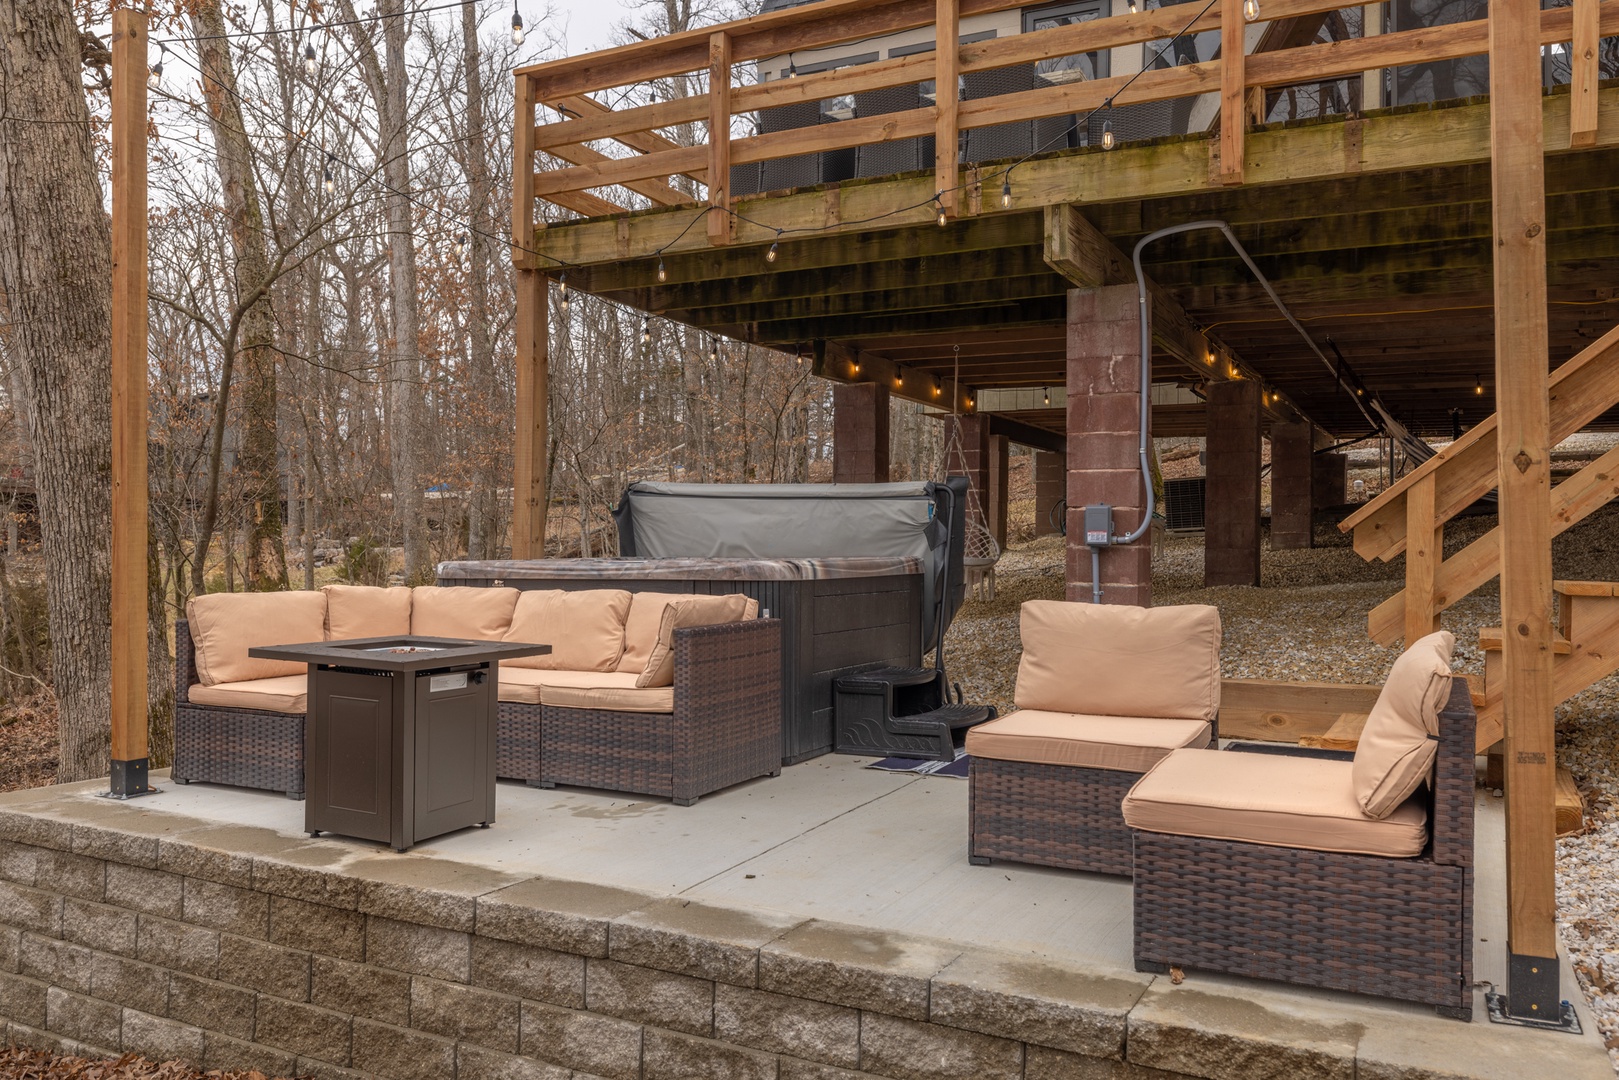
1098 525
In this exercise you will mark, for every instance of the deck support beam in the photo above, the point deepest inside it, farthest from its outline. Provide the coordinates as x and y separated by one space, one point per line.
1231 503
1050 483
1292 464
1517 140
1000 469
860 433
529 496
129 748
1104 433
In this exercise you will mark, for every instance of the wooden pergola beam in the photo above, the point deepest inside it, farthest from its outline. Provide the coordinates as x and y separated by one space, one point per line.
1523 466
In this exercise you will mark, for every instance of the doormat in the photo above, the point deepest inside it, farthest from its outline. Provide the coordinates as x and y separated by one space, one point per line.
956 768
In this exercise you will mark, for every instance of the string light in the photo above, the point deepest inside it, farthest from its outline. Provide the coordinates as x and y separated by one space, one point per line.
1048 395
154 77
646 330
1250 9
1478 386
663 275
775 249
854 365
562 291
792 68
517 26
1132 6
713 350
311 63
1107 134
458 246
938 200
899 376
327 179
1006 191
938 386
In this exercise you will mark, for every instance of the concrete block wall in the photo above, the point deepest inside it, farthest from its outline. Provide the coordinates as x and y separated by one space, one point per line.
238 948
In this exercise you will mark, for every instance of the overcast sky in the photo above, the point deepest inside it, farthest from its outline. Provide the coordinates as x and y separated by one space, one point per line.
589 22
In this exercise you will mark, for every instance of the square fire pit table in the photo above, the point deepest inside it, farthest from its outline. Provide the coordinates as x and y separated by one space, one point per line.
400 736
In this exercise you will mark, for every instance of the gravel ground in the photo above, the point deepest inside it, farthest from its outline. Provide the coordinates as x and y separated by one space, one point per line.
1308 621
24 1063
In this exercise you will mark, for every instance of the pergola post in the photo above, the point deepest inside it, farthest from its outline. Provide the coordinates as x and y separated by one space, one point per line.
1517 168
129 750
860 433
1231 536
532 343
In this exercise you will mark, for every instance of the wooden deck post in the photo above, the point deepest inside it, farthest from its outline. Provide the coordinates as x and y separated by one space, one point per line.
1424 551
946 133
1585 71
1523 462
129 751
719 138
532 345
1233 93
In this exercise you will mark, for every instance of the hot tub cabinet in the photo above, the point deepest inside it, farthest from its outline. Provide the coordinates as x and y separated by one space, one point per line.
838 615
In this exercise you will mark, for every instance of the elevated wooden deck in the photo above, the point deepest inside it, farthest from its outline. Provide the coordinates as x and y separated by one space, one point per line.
1374 227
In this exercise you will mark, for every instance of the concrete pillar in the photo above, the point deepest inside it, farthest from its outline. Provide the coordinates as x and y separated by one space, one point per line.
1330 486
1231 507
1000 467
968 455
1050 484
859 433
1104 433
1292 473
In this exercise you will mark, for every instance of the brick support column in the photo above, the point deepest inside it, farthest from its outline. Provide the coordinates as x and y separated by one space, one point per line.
1231 511
1331 484
1104 432
859 433
1292 474
1050 488
968 455
1000 467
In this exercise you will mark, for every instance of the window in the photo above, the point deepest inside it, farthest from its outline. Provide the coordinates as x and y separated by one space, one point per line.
1186 49
1091 65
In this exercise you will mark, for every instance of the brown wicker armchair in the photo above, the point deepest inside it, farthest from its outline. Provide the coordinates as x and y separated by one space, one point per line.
1394 927
243 747
725 727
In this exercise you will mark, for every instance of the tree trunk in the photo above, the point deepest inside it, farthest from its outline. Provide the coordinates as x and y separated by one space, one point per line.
402 373
481 506
55 274
257 478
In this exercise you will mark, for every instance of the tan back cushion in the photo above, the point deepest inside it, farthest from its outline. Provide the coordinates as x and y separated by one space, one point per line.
585 628
362 611
1112 660
697 611
225 625
1398 744
641 627
461 611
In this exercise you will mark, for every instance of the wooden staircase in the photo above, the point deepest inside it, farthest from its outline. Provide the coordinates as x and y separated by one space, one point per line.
1410 518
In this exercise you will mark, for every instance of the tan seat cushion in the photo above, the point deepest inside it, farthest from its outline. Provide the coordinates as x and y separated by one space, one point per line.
523 684
1113 660
641 628
1398 743
225 625
584 627
1123 743
696 611
365 611
461 611
284 694
1270 799
657 699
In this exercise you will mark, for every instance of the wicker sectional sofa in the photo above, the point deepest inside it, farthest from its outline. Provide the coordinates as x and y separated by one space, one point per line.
664 694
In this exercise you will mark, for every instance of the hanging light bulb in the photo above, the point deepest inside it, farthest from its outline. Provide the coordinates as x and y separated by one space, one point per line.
770 256
517 27
854 365
1478 386
1048 395
1107 134
713 350
1006 192
311 63
458 246
899 376
1133 7
562 291
154 77
1250 9
792 68
327 179
938 387
938 201
646 330
663 275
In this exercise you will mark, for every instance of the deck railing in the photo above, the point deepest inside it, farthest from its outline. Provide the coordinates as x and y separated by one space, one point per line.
566 89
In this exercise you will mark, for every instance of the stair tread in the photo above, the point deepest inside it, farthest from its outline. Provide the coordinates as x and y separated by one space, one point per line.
1489 639
1585 588
950 716
890 676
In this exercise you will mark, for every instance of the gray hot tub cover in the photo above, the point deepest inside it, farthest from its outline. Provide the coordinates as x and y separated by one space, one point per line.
924 520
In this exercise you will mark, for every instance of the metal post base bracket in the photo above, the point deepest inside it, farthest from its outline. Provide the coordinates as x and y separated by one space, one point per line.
1533 998
128 780
1568 1021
